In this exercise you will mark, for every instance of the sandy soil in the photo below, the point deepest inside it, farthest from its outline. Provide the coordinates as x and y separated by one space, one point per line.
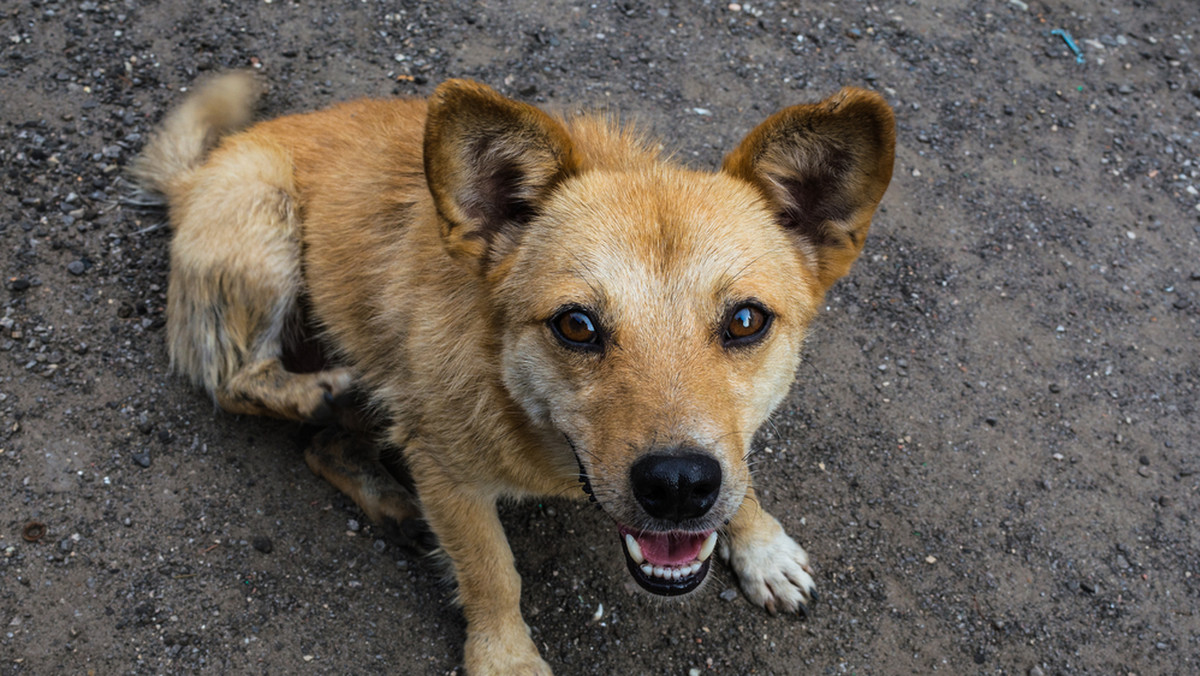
991 451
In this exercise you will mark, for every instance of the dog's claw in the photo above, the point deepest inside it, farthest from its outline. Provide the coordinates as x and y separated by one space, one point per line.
337 398
411 534
774 573
325 412
418 533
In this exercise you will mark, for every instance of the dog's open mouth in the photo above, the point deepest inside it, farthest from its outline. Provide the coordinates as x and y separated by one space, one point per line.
671 563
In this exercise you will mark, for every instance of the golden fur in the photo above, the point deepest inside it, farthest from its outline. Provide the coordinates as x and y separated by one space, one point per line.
430 244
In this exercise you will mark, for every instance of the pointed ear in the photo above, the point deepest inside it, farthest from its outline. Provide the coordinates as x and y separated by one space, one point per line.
490 162
823 167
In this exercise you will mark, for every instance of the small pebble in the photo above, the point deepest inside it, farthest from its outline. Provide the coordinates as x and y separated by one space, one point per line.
142 459
1144 471
262 543
729 594
76 268
353 525
1036 671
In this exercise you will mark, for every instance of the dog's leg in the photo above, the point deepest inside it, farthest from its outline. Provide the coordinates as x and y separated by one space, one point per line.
235 284
465 521
267 388
773 570
351 463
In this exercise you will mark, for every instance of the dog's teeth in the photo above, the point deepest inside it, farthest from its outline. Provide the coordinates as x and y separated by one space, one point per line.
670 573
635 550
707 550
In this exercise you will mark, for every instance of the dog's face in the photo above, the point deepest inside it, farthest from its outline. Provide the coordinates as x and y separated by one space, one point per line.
655 319
651 314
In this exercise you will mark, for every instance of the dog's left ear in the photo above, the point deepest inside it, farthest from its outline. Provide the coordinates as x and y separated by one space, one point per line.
489 162
823 167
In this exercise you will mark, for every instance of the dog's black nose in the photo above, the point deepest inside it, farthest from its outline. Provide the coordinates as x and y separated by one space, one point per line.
676 486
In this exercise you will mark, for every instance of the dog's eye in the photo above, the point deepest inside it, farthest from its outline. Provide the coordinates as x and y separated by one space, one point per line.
576 328
746 325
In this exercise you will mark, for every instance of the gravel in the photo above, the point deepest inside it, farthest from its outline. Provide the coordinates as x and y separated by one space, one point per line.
1031 326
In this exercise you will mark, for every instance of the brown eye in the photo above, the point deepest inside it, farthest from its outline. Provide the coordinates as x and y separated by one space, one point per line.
746 325
576 329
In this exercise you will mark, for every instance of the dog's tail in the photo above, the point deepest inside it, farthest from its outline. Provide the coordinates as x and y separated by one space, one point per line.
217 108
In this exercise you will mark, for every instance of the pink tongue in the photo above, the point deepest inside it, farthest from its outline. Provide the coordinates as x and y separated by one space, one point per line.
670 549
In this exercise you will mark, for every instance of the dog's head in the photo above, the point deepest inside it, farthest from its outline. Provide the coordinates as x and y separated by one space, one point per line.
651 314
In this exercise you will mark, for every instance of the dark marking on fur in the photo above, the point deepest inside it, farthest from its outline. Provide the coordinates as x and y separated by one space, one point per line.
817 197
499 200
583 476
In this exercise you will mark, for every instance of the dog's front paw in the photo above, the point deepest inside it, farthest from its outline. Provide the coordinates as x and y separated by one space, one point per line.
497 655
772 569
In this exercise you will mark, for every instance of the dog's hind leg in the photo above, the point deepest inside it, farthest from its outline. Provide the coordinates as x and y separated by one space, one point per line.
235 284
266 388
353 465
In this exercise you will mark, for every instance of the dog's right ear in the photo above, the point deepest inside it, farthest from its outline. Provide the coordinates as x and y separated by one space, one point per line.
490 162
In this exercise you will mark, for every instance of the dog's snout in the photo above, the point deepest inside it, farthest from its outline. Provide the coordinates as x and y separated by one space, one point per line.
676 486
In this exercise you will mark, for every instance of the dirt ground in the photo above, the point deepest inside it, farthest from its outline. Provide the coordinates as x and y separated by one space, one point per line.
991 451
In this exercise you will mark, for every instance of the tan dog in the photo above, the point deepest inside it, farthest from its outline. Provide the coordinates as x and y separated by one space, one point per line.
527 302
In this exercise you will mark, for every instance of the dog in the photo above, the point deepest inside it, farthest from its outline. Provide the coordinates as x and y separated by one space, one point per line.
517 304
